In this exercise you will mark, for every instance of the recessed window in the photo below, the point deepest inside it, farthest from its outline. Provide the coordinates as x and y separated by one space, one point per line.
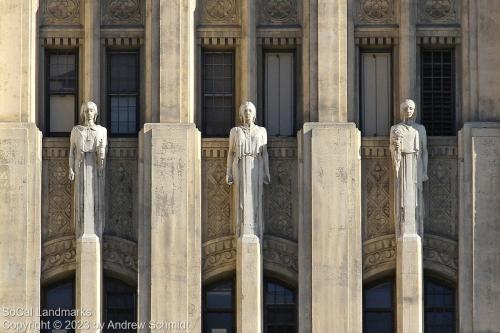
279 86
218 93
218 308
378 308
56 297
438 91
439 305
123 92
280 312
62 96
120 305
376 93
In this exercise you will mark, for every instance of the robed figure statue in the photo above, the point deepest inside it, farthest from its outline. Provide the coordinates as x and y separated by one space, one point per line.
248 170
87 154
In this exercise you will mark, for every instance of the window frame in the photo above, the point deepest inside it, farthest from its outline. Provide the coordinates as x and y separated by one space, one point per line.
111 280
109 94
443 283
288 286
43 295
292 51
203 117
360 103
454 81
373 284
48 93
218 310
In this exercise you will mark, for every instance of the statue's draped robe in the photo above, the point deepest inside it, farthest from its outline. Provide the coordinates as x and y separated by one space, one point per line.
87 143
406 194
420 213
248 170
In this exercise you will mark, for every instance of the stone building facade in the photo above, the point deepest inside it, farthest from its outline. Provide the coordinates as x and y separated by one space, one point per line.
327 77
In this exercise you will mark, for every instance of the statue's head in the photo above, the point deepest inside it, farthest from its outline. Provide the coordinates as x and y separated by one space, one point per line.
407 109
88 110
248 113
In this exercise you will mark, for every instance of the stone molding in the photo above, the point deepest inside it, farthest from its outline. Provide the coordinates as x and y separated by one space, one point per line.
120 12
441 256
376 41
120 256
61 12
58 256
280 256
218 256
379 255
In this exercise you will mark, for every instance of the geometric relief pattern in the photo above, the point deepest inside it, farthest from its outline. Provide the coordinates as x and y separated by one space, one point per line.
441 198
375 11
61 11
438 11
219 12
277 11
218 195
122 184
279 198
378 198
116 12
60 200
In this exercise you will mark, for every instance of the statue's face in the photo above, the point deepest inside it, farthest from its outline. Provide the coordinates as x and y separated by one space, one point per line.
89 114
409 110
248 115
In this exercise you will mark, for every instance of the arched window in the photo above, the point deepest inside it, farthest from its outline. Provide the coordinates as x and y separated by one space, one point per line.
280 312
378 307
119 305
218 307
58 300
439 307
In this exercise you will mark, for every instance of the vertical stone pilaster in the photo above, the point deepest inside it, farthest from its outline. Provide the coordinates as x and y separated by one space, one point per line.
249 285
92 55
479 250
152 62
248 52
407 51
170 226
330 279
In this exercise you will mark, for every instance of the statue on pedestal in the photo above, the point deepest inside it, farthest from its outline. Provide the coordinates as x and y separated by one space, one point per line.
408 146
87 154
248 170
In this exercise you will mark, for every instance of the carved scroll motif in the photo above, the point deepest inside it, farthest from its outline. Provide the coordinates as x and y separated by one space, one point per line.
278 11
116 12
376 11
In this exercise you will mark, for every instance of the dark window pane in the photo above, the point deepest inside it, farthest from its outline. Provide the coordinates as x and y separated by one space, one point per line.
438 91
378 308
280 308
62 72
379 297
220 296
439 307
58 296
123 92
120 304
218 314
218 88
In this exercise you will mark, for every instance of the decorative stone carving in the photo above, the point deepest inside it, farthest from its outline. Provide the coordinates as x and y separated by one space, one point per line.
278 11
58 253
438 11
219 254
377 193
280 252
120 255
61 12
219 199
219 12
410 168
379 254
441 254
121 12
88 144
375 11
248 170
59 222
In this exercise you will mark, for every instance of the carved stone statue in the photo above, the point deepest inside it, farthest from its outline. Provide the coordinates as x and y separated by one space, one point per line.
87 154
409 156
248 170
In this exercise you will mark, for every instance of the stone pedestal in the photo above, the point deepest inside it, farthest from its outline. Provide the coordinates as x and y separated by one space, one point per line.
330 264
249 285
20 188
89 281
409 276
169 226
479 232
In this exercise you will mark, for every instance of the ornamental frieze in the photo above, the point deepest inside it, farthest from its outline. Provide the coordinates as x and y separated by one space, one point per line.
219 12
58 253
277 11
375 11
61 12
438 11
121 12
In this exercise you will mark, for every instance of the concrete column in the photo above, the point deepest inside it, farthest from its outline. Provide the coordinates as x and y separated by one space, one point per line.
332 60
407 51
479 250
91 50
170 227
330 264
249 285
248 52
20 166
152 62
177 52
